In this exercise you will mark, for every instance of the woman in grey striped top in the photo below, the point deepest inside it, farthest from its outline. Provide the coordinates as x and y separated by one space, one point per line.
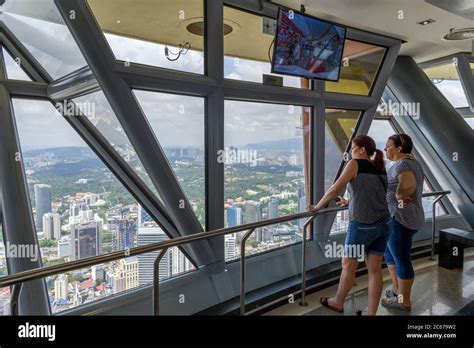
405 187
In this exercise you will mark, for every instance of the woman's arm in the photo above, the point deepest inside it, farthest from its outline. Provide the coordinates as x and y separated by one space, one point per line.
406 185
350 171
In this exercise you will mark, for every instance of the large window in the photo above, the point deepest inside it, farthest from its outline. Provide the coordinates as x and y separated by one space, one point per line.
249 60
178 124
445 78
360 65
13 67
265 172
41 29
165 33
81 210
340 125
99 112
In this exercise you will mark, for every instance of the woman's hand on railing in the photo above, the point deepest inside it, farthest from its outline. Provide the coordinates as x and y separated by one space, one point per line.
312 207
341 201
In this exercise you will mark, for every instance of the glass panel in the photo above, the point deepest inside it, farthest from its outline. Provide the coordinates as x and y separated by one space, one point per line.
248 60
340 125
266 148
41 29
80 208
13 67
178 123
98 110
4 292
143 31
361 62
446 79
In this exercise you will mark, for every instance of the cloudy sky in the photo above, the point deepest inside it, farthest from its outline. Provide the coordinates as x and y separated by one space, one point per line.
176 120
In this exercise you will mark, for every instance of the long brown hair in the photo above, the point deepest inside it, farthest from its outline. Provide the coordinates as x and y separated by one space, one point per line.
369 144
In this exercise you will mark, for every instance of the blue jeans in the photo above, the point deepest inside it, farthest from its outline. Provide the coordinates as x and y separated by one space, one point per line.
398 250
367 238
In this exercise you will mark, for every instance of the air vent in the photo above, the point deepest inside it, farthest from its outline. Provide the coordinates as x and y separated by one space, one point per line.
459 34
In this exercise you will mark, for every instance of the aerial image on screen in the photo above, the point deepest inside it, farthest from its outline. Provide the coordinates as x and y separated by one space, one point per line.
307 47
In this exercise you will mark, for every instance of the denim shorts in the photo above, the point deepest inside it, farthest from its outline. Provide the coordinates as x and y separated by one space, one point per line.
367 238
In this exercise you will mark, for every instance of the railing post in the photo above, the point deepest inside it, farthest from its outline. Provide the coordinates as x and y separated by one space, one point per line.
156 282
242 270
303 262
433 226
16 290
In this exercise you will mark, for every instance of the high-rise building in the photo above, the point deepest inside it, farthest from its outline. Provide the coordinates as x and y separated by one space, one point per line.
125 275
124 230
64 247
52 225
233 216
230 245
179 262
147 235
43 203
273 207
86 240
61 287
302 204
253 213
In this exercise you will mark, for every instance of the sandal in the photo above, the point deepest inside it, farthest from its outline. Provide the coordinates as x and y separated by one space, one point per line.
393 303
325 303
390 293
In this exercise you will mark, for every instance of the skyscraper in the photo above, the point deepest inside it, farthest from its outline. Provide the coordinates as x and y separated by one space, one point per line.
42 202
125 275
253 213
61 287
179 262
52 225
124 230
230 246
86 240
273 207
233 216
301 205
148 235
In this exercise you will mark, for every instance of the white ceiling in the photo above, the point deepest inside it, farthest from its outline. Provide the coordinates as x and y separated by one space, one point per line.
381 16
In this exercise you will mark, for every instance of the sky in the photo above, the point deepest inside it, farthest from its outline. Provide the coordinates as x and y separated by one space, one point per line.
176 120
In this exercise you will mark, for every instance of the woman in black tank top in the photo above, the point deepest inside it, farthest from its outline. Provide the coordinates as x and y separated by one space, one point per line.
369 225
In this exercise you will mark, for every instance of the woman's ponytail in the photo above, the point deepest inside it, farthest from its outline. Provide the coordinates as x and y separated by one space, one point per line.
378 161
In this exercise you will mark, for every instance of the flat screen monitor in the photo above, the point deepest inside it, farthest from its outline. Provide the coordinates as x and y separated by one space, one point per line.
308 47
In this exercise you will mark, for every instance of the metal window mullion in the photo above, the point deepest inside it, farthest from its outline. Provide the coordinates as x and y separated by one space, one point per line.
18 216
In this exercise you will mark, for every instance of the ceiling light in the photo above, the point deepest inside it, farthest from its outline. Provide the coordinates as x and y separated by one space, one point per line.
427 21
459 34
197 28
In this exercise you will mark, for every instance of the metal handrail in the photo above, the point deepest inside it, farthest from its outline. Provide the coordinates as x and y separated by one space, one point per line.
440 195
16 280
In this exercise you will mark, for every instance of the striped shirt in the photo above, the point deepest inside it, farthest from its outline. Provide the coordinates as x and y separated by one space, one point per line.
409 215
